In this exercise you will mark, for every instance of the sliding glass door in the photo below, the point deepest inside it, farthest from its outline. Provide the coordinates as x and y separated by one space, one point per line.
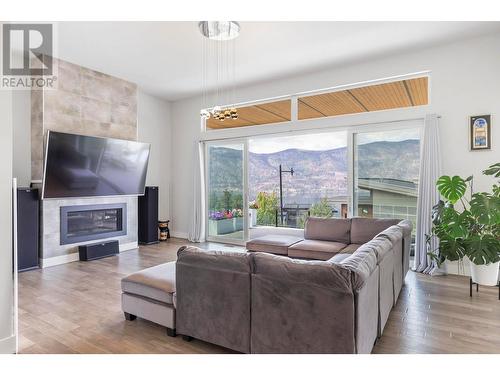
386 172
226 191
263 184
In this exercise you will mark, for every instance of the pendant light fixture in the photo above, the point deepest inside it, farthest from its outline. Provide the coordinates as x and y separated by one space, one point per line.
218 70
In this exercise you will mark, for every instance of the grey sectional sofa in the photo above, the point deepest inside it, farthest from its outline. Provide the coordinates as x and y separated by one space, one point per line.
257 302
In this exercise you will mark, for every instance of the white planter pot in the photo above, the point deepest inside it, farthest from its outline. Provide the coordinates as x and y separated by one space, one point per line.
485 274
238 223
217 227
253 217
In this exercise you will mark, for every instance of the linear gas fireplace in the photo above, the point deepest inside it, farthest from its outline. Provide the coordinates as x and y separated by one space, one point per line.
92 222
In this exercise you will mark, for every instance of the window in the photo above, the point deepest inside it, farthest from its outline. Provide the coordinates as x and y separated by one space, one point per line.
403 93
251 189
225 191
386 172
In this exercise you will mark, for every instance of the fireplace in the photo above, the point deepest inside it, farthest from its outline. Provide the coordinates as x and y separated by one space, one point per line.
92 222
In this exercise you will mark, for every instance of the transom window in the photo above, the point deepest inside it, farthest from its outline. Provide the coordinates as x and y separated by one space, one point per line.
403 93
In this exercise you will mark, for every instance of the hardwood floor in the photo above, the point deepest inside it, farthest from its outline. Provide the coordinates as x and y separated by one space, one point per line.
75 308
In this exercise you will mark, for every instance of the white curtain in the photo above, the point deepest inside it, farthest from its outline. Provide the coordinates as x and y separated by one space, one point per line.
428 195
197 225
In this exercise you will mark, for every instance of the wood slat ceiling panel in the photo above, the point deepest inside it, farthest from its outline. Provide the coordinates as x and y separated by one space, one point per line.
260 114
329 104
305 111
418 88
400 94
386 96
227 124
282 108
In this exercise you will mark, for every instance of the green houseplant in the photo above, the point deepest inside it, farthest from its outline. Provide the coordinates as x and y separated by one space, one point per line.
468 226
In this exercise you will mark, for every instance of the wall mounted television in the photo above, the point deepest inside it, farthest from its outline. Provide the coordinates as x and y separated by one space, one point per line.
84 166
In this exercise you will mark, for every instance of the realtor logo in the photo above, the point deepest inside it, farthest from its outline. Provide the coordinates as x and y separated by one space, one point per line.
27 56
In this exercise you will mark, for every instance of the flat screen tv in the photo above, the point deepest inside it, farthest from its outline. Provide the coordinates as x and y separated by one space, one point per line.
83 166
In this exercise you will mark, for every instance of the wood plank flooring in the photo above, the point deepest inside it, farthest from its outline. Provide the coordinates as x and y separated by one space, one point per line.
75 308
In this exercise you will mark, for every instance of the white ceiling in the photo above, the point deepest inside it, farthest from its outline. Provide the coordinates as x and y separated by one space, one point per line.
164 58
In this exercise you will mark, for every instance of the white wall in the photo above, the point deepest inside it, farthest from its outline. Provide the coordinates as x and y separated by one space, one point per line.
154 126
21 117
465 80
7 334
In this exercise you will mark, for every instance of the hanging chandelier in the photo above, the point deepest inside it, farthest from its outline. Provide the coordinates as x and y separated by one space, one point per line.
218 70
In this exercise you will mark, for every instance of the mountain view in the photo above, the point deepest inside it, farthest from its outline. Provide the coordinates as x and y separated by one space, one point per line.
317 174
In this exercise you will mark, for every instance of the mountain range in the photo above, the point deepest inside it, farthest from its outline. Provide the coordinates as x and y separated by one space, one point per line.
317 174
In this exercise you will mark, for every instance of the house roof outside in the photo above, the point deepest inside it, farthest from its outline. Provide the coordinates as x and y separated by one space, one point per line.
389 185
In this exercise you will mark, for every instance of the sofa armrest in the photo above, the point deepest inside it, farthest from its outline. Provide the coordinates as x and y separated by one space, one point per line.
362 263
407 227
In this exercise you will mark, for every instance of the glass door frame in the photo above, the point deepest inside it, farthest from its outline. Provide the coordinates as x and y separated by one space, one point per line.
229 141
417 123
352 131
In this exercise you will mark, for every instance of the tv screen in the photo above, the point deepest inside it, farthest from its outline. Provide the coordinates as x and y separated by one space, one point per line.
83 166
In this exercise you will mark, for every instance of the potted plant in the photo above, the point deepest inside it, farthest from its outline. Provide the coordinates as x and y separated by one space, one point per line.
252 210
237 214
470 230
220 222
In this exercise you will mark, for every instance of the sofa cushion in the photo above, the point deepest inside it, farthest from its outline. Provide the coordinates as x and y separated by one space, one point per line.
351 248
275 244
314 272
362 262
213 296
363 229
157 283
225 259
327 229
314 249
301 306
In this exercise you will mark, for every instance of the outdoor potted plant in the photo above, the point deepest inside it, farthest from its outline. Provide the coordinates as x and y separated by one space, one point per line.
252 210
220 222
237 214
470 230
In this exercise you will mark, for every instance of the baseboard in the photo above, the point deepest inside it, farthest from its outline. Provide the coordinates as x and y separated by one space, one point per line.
61 259
179 235
8 345
129 246
73 257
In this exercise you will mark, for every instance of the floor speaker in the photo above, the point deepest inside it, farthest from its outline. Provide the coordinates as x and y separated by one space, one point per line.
28 206
148 216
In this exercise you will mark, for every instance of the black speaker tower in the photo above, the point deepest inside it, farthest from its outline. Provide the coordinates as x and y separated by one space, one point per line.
28 205
148 216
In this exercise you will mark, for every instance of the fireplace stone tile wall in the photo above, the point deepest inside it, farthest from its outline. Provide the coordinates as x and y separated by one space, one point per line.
50 241
85 102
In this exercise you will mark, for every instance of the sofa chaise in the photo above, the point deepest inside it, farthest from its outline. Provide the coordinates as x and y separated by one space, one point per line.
258 302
